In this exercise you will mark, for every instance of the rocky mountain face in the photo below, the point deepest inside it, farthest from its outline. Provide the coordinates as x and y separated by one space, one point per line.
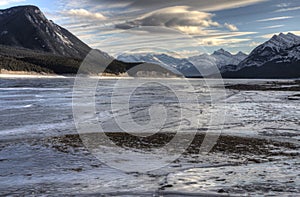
279 49
279 57
27 27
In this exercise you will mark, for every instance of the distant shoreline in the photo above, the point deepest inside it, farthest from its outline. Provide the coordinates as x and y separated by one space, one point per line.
24 74
32 75
29 74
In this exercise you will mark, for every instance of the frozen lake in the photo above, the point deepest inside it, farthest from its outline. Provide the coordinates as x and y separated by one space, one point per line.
41 153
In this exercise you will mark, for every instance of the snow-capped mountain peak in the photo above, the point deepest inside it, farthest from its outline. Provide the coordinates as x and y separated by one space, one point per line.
161 59
222 52
280 48
280 42
240 53
221 58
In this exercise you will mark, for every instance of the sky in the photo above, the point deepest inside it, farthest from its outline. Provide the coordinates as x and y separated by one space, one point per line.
181 27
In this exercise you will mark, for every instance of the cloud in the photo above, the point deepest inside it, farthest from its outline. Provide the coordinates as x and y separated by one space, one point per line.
172 41
231 27
179 17
275 18
225 35
171 24
288 9
283 5
189 53
268 36
273 27
85 14
254 44
223 42
7 2
212 5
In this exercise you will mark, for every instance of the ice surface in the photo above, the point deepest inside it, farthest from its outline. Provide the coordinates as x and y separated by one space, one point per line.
40 155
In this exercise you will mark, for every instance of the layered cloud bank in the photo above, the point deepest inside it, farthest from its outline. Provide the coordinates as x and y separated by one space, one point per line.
234 24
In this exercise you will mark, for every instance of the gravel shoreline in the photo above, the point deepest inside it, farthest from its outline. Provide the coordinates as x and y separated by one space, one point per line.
268 86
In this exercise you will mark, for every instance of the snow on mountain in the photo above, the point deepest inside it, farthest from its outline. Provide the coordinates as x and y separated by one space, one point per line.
189 66
167 61
282 48
162 59
277 54
27 27
224 60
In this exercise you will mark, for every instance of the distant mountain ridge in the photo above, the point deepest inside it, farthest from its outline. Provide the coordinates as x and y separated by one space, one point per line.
224 60
165 60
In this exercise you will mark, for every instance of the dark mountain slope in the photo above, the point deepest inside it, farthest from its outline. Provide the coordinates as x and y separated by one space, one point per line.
21 59
27 27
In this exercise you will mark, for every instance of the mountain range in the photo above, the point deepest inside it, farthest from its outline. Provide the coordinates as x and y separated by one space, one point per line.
31 42
224 61
278 57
